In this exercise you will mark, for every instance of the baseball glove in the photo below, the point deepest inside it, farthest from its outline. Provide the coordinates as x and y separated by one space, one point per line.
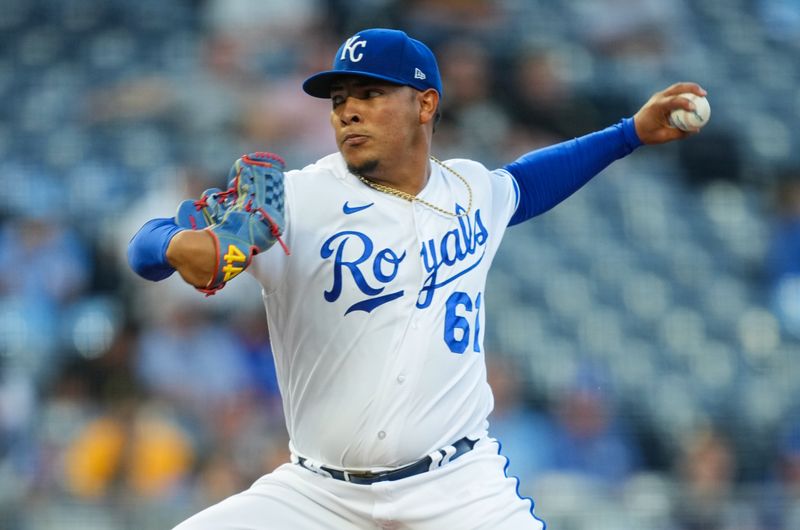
209 209
245 219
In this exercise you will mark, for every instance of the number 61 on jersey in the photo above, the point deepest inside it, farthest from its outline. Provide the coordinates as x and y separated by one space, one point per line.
462 322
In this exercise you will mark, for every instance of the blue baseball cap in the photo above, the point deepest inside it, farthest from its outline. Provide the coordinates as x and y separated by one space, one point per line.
386 54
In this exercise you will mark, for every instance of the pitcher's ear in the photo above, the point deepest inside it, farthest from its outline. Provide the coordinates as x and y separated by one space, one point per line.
428 105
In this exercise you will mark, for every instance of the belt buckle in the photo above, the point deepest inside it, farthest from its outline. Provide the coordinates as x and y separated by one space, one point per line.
361 475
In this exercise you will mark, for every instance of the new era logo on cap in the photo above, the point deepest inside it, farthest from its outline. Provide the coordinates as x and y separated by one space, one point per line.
386 54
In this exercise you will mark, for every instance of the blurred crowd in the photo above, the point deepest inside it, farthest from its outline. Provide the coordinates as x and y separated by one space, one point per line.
129 405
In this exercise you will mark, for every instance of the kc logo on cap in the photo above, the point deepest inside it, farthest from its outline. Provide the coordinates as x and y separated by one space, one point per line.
386 54
349 48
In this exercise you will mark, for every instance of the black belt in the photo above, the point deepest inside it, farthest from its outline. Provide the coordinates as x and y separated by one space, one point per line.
462 446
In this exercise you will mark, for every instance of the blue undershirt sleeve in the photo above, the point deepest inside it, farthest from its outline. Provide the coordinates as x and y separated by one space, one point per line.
548 176
147 250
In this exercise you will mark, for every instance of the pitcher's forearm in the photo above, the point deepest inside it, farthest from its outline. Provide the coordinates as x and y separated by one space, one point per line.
193 254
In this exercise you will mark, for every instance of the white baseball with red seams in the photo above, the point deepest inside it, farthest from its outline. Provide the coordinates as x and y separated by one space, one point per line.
687 120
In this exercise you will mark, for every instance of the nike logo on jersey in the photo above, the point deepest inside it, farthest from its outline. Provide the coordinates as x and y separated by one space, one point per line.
347 209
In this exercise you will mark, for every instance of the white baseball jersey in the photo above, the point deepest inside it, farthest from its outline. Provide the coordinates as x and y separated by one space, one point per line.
376 318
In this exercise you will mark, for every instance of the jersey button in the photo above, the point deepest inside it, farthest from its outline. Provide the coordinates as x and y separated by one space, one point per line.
381 435
401 378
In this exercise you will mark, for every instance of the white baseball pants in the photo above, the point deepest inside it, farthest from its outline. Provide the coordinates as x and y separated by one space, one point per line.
473 492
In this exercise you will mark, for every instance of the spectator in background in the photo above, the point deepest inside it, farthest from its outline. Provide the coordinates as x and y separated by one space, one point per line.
186 348
541 99
18 405
267 47
706 469
105 436
525 433
472 119
248 325
296 128
47 267
590 440
781 499
206 119
45 260
230 107
138 445
783 253
66 406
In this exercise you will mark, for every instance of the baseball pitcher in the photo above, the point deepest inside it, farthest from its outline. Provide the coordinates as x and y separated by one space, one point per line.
375 296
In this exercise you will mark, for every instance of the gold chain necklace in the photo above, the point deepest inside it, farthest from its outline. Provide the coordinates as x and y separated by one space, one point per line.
413 198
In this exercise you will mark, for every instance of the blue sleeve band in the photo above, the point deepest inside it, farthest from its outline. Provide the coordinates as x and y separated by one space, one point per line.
548 176
147 250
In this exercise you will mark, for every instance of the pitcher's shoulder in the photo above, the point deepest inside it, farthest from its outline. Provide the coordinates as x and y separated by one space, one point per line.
330 167
471 169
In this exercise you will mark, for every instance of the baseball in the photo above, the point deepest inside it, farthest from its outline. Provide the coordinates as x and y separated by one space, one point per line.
689 120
